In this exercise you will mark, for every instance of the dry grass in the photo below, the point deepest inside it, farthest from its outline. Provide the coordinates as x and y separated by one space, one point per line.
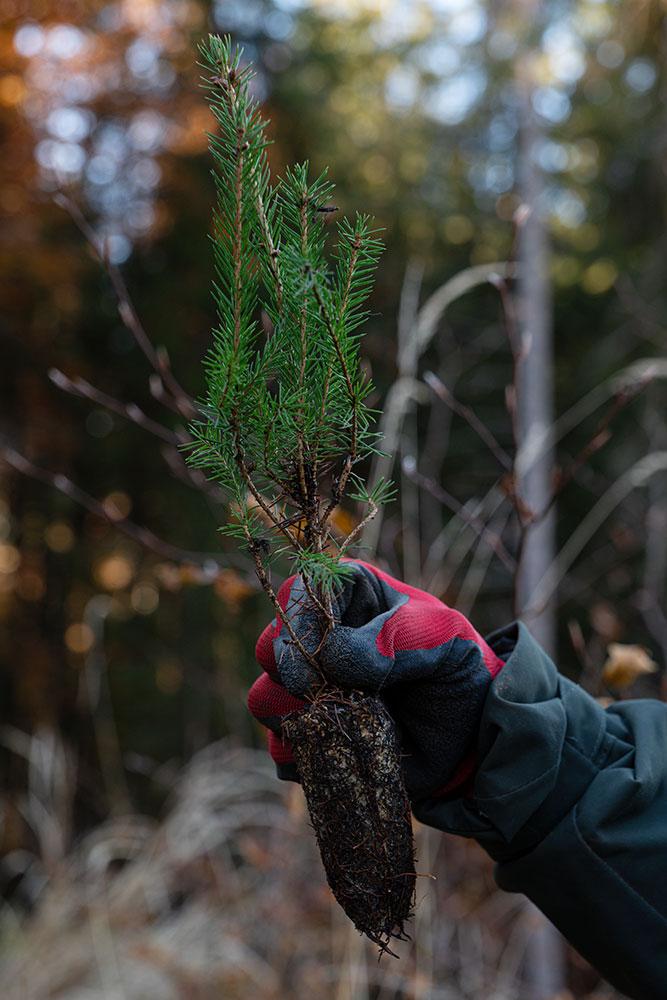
225 898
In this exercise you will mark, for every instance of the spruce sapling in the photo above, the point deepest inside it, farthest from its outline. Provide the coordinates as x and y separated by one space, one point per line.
282 428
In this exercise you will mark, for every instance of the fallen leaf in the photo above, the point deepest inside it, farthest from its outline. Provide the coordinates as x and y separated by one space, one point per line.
625 664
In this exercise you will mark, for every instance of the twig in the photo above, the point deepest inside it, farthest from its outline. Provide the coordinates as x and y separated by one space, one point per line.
469 415
460 284
628 380
303 311
354 256
108 512
354 534
637 475
173 458
356 247
254 491
157 357
347 468
278 524
303 357
406 387
598 440
447 544
435 447
129 411
440 494
273 253
479 566
643 370
281 613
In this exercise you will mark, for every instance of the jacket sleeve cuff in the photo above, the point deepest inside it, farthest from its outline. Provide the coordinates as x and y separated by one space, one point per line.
540 740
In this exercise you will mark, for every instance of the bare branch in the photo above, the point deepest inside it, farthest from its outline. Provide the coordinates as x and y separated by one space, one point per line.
445 498
171 453
267 587
414 343
469 415
157 357
433 310
636 476
456 539
192 477
479 565
129 411
598 440
108 512
639 373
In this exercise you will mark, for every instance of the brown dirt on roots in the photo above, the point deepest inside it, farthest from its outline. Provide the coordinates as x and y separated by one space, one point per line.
347 755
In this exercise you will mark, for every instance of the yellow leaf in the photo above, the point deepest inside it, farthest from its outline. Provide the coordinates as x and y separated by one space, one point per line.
342 521
625 664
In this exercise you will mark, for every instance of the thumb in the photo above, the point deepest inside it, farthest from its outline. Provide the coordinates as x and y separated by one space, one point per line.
349 656
297 674
352 657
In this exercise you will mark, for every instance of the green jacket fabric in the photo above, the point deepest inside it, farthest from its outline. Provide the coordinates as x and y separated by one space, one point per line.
570 800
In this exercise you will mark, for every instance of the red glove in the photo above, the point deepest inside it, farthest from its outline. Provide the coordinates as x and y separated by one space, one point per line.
426 661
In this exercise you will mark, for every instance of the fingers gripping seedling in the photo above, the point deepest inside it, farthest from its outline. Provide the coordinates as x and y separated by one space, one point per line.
282 429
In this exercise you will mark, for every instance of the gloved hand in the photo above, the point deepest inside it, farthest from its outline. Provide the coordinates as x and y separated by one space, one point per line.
425 660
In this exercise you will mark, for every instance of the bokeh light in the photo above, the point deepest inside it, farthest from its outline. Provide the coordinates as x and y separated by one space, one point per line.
114 572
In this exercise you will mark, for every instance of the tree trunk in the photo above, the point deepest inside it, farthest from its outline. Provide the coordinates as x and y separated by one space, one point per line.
544 956
535 406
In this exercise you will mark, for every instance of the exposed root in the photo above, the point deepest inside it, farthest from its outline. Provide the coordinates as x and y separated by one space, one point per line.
348 757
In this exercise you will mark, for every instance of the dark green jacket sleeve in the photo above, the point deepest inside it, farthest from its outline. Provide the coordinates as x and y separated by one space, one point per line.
570 800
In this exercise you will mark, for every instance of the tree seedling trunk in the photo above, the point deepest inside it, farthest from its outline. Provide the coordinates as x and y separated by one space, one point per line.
282 428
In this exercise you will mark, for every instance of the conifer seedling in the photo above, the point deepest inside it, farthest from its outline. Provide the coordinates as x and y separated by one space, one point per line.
282 428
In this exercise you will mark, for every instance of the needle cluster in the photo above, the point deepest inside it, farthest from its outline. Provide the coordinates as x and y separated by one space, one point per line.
284 422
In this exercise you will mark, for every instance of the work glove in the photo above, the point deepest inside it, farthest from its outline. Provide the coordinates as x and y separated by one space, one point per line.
424 659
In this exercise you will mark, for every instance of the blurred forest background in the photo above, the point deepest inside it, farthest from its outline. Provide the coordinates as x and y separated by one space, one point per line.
147 850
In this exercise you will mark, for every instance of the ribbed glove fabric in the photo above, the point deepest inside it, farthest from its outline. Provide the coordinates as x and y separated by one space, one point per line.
424 659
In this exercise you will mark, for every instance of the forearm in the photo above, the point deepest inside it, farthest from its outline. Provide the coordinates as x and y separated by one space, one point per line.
571 802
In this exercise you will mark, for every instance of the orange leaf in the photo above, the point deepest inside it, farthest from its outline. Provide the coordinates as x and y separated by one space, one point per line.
625 664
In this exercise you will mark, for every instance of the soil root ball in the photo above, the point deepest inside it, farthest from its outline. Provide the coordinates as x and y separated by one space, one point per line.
347 754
